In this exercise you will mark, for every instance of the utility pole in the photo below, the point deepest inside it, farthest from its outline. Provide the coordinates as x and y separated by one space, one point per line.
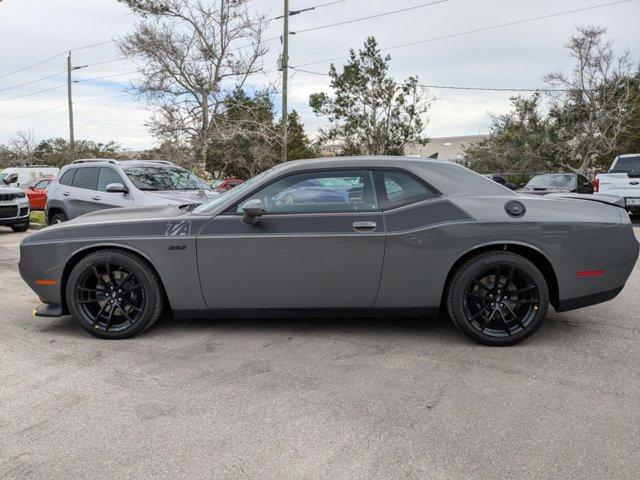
71 140
285 78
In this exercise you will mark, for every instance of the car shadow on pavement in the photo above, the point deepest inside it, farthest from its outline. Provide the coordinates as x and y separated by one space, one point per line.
438 330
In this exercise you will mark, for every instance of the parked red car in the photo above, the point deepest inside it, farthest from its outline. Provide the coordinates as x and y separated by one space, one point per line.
36 192
224 184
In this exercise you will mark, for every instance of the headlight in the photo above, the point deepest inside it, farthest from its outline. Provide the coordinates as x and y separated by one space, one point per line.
21 195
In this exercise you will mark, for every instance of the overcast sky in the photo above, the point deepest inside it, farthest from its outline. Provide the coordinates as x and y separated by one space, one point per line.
510 57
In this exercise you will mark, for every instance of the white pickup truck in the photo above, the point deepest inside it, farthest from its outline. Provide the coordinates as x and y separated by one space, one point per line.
623 179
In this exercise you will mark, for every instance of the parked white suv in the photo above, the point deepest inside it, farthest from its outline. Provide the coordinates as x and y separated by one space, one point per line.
14 208
623 179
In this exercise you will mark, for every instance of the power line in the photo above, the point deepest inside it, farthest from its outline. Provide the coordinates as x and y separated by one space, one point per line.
476 30
54 57
32 93
31 114
104 76
452 87
392 12
32 81
314 7
98 99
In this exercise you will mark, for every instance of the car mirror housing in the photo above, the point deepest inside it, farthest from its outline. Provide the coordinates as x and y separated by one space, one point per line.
117 188
253 210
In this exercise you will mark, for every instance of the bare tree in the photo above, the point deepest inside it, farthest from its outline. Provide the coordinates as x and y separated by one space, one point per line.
23 147
192 54
592 114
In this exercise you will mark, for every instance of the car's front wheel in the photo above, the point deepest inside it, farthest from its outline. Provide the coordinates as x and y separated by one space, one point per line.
498 298
114 294
23 227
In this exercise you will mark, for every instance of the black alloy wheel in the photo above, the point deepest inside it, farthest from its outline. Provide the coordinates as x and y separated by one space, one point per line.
498 298
114 294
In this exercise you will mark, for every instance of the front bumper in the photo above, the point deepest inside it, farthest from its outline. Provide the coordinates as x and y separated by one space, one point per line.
21 215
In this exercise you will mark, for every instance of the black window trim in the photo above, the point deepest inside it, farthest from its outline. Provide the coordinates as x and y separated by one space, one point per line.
73 175
95 189
232 209
110 168
379 182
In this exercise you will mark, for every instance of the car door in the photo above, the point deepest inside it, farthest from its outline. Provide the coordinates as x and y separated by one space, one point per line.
104 199
38 196
81 197
319 247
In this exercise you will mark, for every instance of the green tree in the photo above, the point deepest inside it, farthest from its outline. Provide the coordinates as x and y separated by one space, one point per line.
247 139
522 140
298 144
371 114
55 151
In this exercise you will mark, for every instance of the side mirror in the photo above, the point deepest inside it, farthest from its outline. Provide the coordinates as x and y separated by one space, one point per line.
31 187
117 188
253 210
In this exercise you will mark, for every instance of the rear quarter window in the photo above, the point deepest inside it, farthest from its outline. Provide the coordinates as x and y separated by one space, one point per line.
67 177
397 188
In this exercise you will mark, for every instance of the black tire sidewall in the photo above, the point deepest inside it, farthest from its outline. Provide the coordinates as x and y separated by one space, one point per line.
137 266
22 227
61 216
470 270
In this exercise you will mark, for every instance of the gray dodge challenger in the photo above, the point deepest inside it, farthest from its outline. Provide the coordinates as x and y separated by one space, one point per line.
361 235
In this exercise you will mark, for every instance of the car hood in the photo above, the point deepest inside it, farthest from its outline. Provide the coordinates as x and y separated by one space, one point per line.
182 197
7 189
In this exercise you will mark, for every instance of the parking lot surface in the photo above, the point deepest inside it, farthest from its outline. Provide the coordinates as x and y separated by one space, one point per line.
318 399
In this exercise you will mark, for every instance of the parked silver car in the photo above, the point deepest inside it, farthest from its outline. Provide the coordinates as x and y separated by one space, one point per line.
95 184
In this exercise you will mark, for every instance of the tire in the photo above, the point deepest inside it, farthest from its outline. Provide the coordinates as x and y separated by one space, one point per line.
498 313
114 294
23 227
58 218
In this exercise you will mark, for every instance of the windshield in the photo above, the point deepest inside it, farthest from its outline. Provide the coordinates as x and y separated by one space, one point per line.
239 190
159 178
551 181
627 165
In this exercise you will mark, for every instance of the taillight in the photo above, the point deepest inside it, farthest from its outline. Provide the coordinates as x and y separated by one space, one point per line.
596 185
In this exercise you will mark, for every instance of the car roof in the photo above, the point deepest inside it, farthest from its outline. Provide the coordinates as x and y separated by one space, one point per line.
92 162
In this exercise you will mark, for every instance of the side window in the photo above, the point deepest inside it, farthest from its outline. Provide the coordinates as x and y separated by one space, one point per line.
67 177
86 178
396 189
41 184
319 192
108 175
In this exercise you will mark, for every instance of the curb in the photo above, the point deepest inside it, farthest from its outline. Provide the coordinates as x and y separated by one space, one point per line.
36 226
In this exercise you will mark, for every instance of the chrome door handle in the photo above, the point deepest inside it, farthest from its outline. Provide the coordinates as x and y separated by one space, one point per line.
364 226
66 194
95 198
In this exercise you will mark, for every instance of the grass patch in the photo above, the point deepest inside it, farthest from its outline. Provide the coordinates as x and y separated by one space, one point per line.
37 217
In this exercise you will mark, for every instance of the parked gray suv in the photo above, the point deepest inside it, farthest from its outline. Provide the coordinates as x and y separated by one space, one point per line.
95 184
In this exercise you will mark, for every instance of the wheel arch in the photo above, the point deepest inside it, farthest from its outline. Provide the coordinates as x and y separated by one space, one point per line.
53 210
81 253
531 253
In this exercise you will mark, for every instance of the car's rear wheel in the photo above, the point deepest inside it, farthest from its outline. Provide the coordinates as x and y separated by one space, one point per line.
114 294
498 298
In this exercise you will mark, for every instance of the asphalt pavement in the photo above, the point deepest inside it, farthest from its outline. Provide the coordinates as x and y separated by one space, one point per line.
317 399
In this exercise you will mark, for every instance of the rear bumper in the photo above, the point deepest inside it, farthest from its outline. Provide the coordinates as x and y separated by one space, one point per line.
48 310
588 300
